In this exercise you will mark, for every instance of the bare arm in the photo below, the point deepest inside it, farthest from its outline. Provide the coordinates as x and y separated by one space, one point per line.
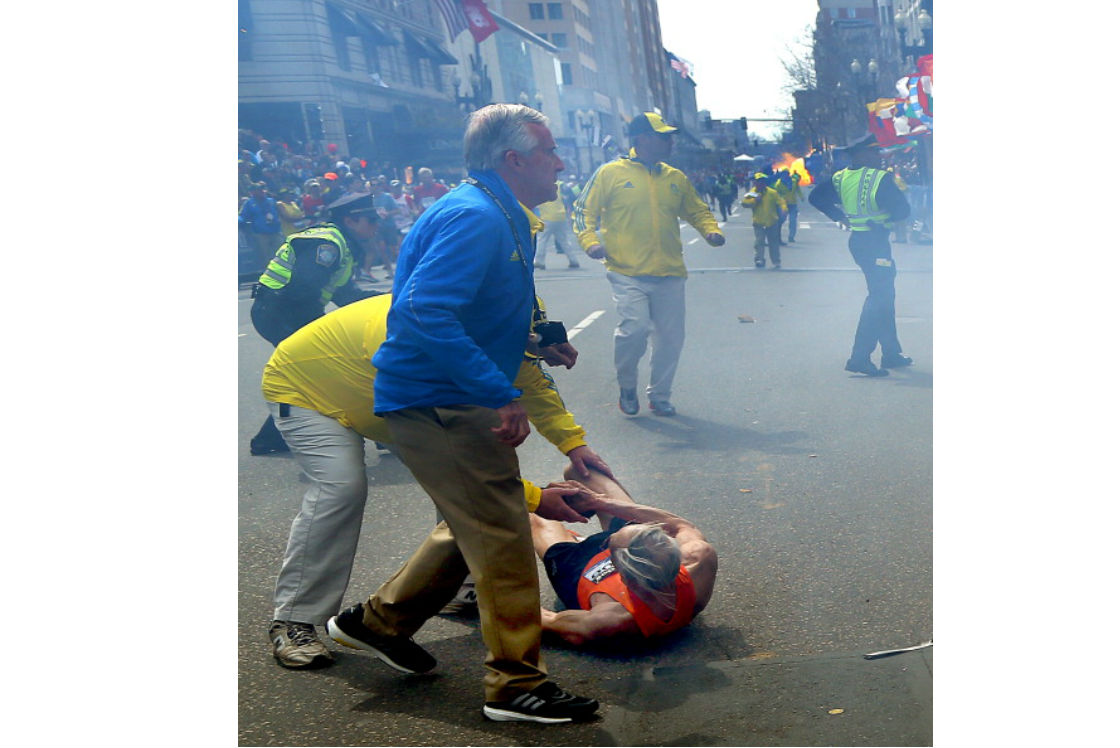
697 554
580 626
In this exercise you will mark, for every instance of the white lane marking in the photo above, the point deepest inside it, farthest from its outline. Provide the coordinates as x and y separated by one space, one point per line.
589 319
694 240
242 334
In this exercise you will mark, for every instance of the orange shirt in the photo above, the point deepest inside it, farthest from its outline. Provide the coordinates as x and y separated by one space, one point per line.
600 576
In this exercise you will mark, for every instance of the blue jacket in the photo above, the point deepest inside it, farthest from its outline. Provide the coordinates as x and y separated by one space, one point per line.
262 217
462 304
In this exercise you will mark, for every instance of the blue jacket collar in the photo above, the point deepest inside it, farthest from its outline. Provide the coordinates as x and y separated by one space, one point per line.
498 186
501 190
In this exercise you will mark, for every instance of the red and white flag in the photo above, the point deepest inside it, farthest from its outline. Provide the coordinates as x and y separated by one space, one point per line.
482 24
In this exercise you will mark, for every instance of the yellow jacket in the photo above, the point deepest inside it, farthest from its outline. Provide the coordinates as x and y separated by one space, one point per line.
633 211
325 366
790 195
766 208
553 210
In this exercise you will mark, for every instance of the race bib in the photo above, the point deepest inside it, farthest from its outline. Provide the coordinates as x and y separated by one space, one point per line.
599 571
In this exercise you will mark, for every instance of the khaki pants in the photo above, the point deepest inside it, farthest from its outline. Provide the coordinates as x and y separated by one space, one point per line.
648 307
475 483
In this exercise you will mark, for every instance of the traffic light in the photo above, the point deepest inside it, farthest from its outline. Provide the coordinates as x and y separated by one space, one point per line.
743 123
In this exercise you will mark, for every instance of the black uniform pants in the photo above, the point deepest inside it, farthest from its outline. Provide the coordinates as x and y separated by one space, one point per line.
872 252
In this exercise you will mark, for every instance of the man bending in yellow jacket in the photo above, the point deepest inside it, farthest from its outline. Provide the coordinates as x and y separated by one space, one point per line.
319 388
628 216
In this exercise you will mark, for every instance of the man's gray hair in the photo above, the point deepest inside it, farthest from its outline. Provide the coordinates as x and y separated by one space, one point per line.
651 561
497 128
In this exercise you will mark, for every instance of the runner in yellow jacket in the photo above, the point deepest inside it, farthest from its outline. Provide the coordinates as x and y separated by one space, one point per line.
628 216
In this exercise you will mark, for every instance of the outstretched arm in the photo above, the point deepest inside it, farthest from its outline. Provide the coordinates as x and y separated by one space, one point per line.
608 498
580 626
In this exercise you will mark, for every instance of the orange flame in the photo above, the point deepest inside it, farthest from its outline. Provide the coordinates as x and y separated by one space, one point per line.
795 165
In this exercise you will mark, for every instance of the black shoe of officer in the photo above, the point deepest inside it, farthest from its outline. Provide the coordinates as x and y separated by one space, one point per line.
865 367
896 361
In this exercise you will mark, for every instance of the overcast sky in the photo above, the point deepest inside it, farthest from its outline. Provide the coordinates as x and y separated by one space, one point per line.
736 49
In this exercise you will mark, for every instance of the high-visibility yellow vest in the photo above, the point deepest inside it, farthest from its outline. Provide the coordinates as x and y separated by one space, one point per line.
279 270
856 188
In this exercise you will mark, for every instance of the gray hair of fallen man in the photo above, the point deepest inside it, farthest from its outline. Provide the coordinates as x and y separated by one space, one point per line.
651 562
497 128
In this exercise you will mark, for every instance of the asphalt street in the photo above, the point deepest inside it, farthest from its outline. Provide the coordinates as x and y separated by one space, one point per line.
813 484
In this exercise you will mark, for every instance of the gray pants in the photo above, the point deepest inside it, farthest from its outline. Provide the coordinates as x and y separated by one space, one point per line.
561 232
324 535
646 305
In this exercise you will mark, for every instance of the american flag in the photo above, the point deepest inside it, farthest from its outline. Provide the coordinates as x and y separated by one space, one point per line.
684 67
453 16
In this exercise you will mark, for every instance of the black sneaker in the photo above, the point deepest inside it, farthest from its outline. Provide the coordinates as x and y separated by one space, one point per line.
628 402
865 367
547 704
896 362
398 652
662 408
760 263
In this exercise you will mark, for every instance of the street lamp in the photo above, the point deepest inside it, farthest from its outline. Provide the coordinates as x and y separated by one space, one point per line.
841 111
914 25
585 121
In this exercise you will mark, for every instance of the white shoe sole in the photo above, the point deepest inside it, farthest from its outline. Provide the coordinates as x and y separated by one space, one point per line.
346 640
504 715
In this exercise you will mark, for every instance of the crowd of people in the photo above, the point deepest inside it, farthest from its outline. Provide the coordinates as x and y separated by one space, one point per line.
281 192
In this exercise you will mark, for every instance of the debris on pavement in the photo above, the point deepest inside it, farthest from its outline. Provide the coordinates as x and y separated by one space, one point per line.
900 650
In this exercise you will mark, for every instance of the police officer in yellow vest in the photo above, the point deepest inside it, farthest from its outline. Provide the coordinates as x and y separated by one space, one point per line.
866 199
311 269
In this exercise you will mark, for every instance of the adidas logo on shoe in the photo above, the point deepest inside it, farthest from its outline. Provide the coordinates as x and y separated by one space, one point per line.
546 704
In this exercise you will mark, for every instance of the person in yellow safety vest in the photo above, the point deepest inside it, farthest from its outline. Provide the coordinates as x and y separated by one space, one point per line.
309 270
789 187
627 215
768 209
556 226
319 386
865 198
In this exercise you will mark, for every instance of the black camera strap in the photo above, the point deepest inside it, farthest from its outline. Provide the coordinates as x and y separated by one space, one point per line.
516 238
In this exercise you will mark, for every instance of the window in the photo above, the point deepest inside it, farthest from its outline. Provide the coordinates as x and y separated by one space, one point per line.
555 11
536 11
560 40
566 73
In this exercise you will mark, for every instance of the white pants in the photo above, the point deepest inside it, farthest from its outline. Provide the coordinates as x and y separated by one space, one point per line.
562 231
648 304
324 535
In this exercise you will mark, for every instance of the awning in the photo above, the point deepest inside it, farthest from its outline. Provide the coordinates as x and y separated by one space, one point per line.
340 21
373 31
423 47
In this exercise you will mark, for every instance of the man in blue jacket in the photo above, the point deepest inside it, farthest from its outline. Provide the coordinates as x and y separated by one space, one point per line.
456 334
